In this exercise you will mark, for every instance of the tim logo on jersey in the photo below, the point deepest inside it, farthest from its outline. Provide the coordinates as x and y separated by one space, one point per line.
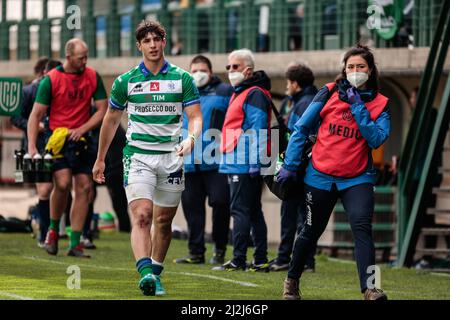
175 177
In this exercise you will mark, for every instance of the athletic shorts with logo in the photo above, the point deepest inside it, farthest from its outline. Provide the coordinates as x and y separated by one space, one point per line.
157 177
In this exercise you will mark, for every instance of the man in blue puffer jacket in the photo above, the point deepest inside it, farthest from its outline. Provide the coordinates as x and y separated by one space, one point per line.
201 166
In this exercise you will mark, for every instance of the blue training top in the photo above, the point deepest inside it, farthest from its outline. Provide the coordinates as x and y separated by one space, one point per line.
214 100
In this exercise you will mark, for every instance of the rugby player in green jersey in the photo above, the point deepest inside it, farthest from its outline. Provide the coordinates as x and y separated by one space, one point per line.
155 94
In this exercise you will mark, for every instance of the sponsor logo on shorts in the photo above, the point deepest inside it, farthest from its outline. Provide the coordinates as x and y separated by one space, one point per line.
175 177
126 171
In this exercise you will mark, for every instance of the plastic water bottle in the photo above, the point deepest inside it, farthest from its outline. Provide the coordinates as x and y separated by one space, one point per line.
28 172
48 162
18 173
47 168
27 162
18 155
37 161
37 167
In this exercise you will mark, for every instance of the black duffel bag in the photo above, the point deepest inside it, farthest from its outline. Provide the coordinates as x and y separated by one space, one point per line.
291 188
15 225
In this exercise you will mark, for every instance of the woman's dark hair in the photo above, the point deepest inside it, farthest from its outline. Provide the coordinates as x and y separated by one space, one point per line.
363 51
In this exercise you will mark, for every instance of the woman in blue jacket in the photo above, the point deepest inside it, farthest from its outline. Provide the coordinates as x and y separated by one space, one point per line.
351 118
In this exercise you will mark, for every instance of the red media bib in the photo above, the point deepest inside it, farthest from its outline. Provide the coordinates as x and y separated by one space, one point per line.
70 106
340 149
232 126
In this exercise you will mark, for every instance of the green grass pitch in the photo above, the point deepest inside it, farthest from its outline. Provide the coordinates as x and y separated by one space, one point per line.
27 271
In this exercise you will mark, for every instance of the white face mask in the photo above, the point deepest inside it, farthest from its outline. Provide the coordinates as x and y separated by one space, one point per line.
357 79
236 78
201 78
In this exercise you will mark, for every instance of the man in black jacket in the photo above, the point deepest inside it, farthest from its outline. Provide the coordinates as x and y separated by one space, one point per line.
201 173
301 91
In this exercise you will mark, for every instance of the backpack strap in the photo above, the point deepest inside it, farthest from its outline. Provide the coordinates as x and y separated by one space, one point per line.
332 88
278 116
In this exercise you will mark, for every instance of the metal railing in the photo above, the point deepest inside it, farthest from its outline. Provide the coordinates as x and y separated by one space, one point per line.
217 27
418 162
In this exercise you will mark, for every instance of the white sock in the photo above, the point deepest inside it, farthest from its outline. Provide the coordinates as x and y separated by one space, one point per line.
156 262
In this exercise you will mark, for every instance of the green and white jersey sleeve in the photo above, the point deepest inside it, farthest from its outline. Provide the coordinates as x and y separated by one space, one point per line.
155 106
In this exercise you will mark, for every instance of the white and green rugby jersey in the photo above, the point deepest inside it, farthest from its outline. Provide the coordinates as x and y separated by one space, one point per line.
155 106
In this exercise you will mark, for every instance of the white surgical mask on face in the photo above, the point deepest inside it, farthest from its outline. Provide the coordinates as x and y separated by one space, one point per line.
201 78
357 79
236 78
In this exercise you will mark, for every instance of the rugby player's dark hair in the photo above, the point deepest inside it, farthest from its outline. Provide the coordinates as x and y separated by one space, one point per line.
146 27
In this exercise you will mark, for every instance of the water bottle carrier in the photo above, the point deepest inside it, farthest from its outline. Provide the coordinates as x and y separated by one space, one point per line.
31 170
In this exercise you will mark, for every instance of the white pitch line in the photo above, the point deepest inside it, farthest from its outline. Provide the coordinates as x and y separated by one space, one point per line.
353 262
440 274
14 296
341 260
78 264
242 283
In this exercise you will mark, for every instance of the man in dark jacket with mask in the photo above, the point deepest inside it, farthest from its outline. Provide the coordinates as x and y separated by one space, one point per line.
201 169
301 91
244 147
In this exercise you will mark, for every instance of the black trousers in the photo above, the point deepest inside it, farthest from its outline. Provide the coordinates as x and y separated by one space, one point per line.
358 202
246 210
293 217
198 186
